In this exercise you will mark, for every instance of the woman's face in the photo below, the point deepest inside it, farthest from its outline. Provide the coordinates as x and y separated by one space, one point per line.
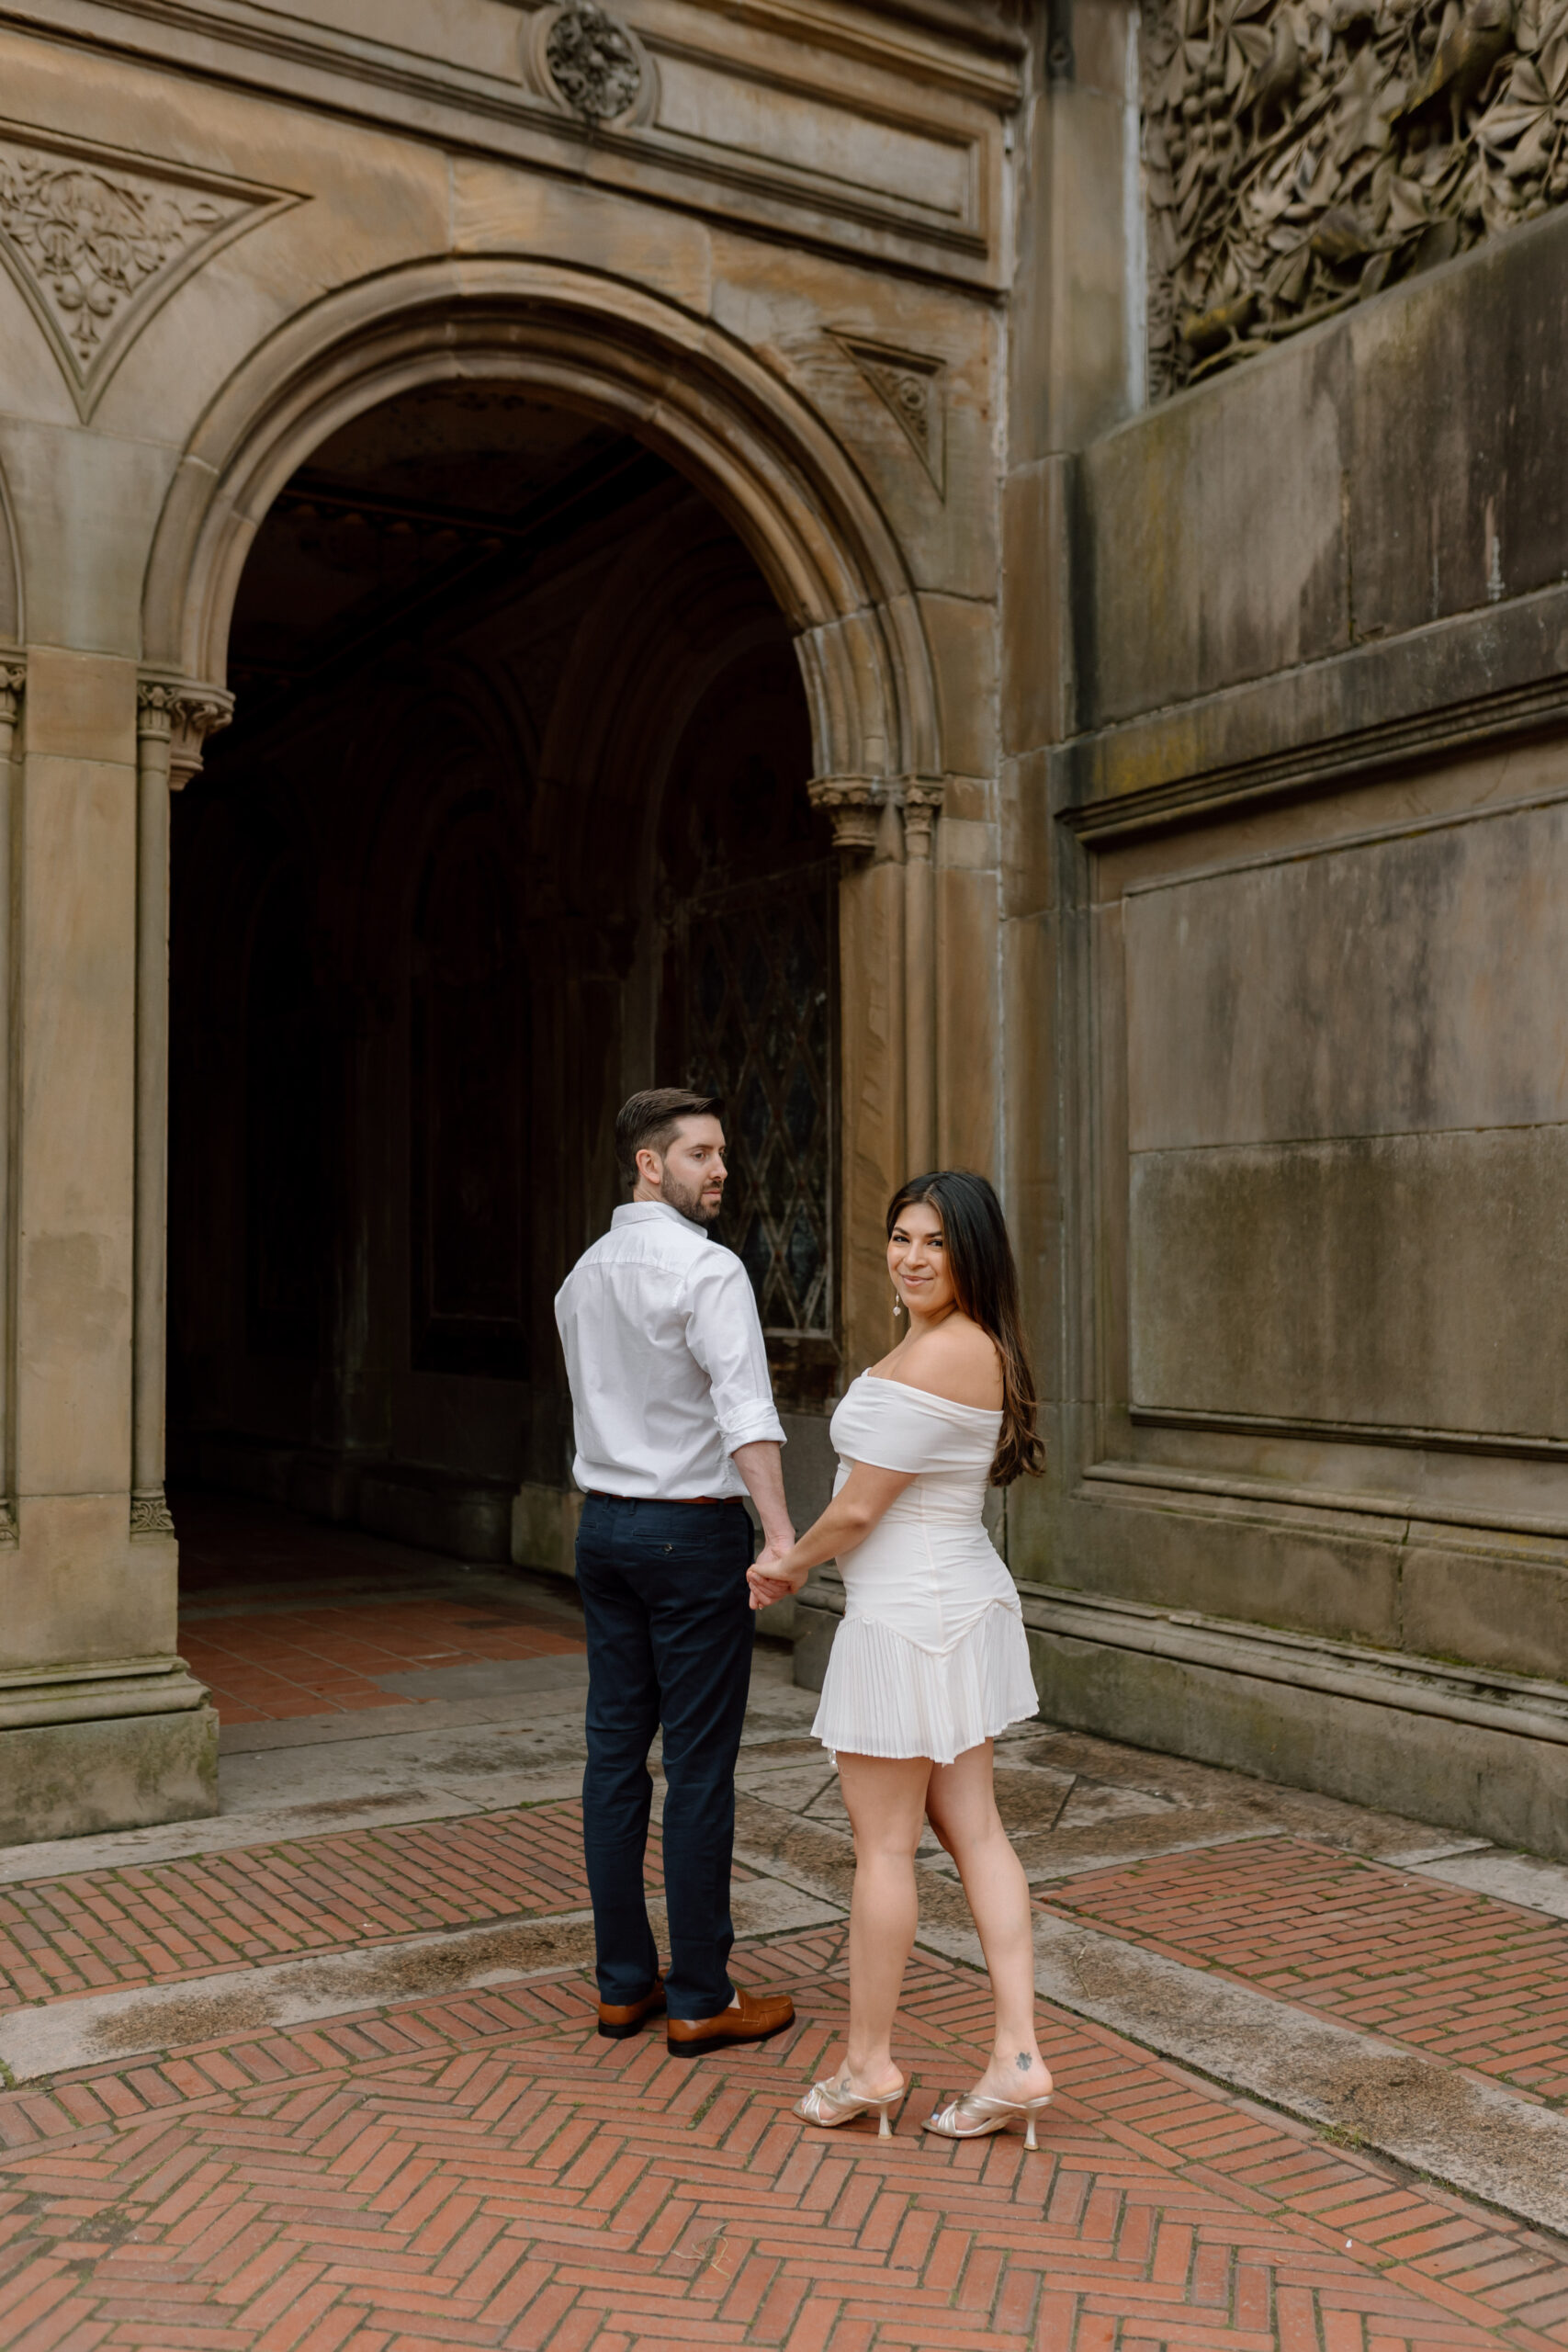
917 1259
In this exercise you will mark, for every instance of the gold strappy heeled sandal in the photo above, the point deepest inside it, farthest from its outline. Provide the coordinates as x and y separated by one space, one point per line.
825 2104
976 2112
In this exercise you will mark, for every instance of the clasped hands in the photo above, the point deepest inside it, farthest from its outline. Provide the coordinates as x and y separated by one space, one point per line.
767 1583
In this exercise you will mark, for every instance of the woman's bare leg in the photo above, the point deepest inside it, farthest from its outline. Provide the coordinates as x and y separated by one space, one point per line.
962 1806
886 1797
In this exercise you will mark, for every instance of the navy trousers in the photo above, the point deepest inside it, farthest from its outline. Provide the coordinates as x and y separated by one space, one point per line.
670 1629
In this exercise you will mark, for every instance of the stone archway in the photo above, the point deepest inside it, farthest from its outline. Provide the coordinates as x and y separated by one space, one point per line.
762 459
695 395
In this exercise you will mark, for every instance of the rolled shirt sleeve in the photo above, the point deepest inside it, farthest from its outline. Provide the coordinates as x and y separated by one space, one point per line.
725 1334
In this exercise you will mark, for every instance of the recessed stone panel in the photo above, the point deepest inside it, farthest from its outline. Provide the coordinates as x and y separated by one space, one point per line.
1378 987
1400 1281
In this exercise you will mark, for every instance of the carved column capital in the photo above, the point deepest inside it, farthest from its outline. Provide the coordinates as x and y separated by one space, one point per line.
854 805
923 797
12 679
150 1513
182 715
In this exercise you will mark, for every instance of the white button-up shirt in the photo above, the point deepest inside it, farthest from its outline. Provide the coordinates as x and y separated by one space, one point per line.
664 1353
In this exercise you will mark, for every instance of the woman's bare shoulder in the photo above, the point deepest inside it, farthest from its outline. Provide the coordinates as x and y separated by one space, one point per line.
958 1361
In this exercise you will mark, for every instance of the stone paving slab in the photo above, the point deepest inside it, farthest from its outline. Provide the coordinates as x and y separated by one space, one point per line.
485 2171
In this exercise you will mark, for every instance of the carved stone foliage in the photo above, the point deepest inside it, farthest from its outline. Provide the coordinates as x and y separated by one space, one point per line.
853 808
909 385
592 62
184 715
1302 154
96 247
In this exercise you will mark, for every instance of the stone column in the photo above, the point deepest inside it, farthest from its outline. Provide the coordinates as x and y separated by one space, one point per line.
922 800
872 1122
12 680
102 1726
173 722
868 838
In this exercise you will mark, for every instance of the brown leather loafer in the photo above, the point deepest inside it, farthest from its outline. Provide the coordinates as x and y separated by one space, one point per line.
751 2020
618 2023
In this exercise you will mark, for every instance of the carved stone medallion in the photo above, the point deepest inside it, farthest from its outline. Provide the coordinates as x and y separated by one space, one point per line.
1302 154
592 62
97 243
909 386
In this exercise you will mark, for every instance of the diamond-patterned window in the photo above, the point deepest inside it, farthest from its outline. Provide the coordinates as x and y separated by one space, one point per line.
761 1032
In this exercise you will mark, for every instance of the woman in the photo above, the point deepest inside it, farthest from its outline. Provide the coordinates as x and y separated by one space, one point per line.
930 1661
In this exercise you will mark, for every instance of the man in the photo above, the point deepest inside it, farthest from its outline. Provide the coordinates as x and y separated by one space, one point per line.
674 1420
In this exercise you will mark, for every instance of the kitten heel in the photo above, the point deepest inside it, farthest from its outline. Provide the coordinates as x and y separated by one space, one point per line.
977 2113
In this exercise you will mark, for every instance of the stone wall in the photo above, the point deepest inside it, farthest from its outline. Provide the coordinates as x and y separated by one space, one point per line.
1293 826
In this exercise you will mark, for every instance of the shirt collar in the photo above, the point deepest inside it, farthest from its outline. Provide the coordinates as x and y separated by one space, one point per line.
644 1212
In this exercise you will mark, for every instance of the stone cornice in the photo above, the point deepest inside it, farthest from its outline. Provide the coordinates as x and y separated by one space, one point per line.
965 32
463 108
1449 687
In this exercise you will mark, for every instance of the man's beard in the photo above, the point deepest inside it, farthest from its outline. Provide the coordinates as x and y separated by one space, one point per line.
688 1199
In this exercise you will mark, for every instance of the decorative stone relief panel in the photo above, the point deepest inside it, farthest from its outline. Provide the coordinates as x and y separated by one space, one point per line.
97 243
1302 154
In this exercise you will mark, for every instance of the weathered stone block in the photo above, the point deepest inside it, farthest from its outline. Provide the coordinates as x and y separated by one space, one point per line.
1372 1281
72 1780
1461 1777
1379 987
1499 1607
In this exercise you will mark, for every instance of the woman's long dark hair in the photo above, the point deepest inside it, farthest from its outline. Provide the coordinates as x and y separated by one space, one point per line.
985 1282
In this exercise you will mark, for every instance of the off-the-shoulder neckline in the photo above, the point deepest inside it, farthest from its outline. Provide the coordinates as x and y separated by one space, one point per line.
990 1412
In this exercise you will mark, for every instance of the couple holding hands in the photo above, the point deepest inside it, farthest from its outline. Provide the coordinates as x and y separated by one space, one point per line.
675 1424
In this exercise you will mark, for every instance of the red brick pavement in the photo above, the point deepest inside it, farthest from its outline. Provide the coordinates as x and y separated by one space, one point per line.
365 1607
269 1664
1462 1976
485 2172
163 1921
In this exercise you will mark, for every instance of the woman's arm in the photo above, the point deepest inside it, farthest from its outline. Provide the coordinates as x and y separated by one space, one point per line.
849 1519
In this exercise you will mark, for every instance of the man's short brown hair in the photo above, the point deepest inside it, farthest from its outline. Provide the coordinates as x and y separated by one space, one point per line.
647 1122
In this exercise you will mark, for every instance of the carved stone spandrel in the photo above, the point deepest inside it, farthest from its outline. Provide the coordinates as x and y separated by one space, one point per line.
97 241
909 386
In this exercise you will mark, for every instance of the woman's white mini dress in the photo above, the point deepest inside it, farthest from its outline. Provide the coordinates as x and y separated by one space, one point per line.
932 1656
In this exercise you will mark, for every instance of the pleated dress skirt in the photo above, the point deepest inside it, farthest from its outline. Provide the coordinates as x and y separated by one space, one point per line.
932 1656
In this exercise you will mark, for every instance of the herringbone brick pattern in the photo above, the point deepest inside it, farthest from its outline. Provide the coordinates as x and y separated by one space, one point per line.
485 2172
322 1658
1480 1982
163 1921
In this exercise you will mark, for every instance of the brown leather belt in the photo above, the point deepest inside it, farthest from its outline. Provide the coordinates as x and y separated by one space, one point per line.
601 1497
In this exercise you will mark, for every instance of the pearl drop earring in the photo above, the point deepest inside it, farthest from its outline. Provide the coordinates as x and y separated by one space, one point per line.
897 1303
